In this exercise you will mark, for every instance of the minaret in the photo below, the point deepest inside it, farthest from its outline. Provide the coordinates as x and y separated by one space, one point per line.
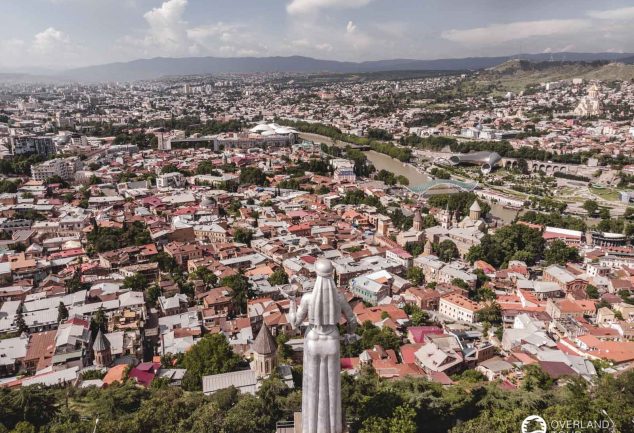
264 353
475 211
418 221
101 349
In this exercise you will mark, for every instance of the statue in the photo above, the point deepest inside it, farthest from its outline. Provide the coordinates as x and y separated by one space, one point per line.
321 393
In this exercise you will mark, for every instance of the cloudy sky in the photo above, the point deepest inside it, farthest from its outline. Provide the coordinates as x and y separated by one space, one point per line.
65 33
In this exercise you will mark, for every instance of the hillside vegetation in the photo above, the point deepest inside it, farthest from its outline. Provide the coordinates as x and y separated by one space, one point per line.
516 75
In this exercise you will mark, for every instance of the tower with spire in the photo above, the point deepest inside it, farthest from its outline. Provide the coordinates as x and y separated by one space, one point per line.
446 218
475 211
418 221
264 353
428 249
101 349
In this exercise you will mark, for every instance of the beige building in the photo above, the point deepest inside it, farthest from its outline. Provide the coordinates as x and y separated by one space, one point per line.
459 308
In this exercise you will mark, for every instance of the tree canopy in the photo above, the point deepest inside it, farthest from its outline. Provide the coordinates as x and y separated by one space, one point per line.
211 355
512 242
371 405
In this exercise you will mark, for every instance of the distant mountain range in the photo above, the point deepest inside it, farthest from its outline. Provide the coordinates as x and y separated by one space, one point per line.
144 69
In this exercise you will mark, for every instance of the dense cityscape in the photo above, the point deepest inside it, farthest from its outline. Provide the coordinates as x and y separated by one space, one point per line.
164 243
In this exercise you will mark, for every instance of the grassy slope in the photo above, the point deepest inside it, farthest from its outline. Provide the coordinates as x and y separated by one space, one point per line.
511 76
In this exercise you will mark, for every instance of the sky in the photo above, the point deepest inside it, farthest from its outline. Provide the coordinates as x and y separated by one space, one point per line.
61 34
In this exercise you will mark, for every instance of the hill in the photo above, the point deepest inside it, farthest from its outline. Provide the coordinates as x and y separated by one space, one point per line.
144 69
516 75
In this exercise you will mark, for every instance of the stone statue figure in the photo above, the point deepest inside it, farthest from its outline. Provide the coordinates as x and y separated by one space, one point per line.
321 393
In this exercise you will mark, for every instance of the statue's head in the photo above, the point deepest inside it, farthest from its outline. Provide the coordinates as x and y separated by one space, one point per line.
325 308
323 268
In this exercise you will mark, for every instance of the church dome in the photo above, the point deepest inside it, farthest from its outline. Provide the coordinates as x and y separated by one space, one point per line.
475 207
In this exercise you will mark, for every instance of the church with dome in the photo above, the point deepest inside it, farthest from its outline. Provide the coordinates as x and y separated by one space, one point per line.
590 105
465 232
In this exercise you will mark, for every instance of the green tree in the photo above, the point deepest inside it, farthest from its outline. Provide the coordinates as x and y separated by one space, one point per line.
415 275
512 242
135 282
560 253
169 168
385 337
417 316
240 290
211 355
447 250
24 427
62 312
253 176
592 292
204 274
591 207
491 313
403 420
284 351
206 167
278 277
536 378
19 320
35 404
74 284
99 322
242 236
152 294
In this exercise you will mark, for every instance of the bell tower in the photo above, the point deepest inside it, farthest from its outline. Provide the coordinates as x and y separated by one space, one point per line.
264 353
101 349
418 221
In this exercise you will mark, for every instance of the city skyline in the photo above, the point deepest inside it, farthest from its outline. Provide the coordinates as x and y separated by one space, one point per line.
61 34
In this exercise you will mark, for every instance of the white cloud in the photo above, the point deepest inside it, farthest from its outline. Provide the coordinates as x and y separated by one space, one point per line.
324 47
613 14
49 40
299 7
167 29
168 33
202 34
501 33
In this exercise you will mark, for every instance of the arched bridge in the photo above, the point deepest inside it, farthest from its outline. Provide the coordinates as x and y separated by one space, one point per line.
545 166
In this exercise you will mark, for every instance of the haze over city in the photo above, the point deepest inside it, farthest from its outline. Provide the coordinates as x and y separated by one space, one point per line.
61 34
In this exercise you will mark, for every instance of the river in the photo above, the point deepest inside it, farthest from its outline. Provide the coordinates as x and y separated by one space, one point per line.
385 162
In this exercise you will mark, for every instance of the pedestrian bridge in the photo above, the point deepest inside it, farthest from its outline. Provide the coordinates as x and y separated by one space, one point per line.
443 186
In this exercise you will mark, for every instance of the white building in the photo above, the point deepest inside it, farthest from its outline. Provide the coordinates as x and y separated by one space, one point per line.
459 308
171 180
62 167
